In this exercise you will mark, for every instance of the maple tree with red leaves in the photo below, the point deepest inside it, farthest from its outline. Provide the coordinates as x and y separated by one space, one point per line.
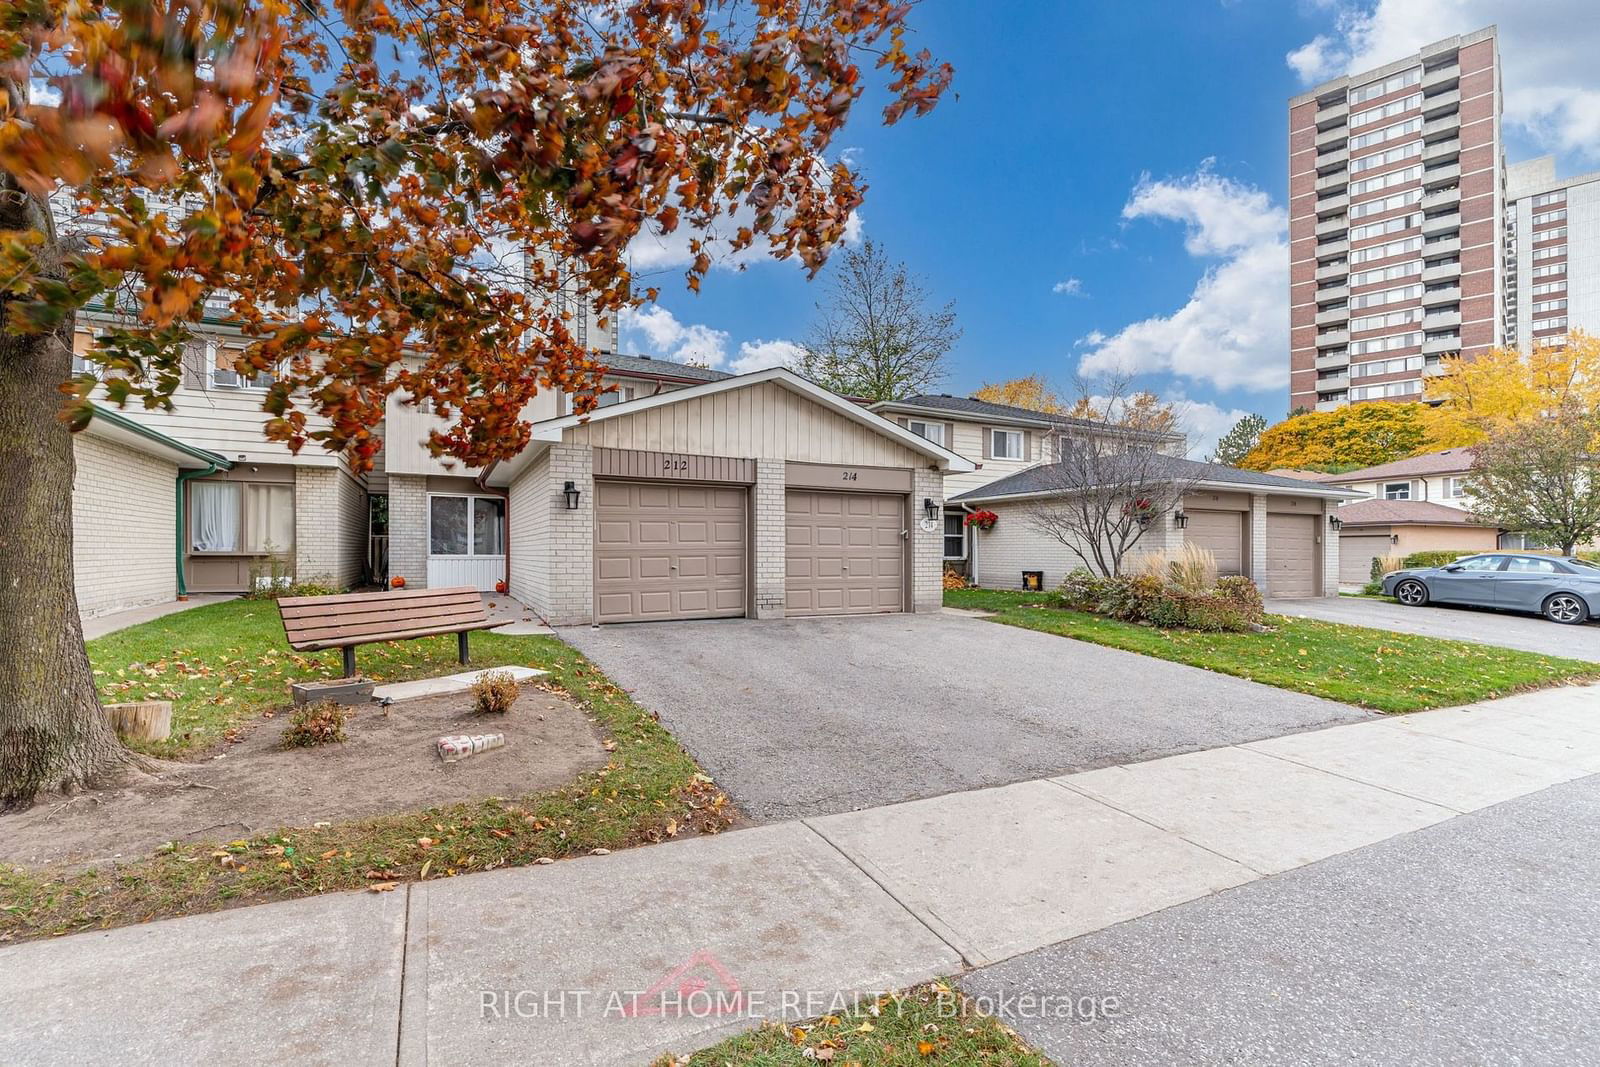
388 195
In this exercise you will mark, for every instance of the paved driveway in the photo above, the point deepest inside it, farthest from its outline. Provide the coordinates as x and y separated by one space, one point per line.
1481 625
816 716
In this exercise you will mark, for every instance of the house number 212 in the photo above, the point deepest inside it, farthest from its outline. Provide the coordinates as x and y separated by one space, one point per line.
675 463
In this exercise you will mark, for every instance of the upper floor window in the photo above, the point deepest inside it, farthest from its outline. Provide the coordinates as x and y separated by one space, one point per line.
1373 90
1397 491
621 395
220 370
1005 444
933 431
1455 488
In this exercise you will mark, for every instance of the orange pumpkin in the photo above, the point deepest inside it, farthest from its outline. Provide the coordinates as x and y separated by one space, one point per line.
397 582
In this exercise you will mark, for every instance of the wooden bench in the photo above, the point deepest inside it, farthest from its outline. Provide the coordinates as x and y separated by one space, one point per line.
313 623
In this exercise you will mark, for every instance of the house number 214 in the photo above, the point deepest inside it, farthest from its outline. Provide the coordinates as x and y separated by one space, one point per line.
850 476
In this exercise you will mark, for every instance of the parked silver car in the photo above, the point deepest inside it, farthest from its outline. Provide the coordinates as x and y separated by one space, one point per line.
1561 588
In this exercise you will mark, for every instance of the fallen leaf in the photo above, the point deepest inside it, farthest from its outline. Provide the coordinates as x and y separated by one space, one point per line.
925 1048
382 887
328 855
599 852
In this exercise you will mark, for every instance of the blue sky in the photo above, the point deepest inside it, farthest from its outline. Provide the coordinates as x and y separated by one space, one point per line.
1108 185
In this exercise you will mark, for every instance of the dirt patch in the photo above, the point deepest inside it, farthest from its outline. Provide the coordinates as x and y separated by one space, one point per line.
387 764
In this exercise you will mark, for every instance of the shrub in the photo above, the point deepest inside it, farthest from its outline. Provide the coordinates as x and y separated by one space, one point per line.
321 723
1192 568
1081 590
953 579
494 692
1437 557
1233 604
318 586
1241 594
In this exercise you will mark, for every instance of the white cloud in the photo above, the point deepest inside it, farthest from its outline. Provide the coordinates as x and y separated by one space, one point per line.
1070 287
1205 423
658 332
759 355
1547 49
1234 330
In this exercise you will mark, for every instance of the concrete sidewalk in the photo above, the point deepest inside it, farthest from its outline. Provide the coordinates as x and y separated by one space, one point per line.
590 960
100 625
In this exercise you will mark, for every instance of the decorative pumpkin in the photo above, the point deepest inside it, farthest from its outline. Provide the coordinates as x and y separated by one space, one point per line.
500 587
397 582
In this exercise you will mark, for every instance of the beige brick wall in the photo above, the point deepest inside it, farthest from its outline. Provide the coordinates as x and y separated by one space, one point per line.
1015 545
1330 550
769 540
330 525
531 509
1258 540
124 527
408 528
927 546
571 537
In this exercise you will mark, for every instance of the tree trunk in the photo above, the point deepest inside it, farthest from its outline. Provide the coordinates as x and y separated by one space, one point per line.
53 734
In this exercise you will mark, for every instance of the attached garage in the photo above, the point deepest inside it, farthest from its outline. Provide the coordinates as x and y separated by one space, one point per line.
760 495
1291 555
1356 553
845 553
667 551
1222 534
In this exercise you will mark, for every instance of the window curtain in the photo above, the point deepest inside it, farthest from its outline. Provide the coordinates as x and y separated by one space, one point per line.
214 516
270 519
488 526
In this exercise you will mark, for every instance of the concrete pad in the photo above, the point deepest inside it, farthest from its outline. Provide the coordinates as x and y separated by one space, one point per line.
308 981
747 915
1556 739
1433 769
449 683
1002 871
1267 813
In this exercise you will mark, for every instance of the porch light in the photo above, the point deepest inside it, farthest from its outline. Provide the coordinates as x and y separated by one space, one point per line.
570 491
929 508
1336 523
1180 520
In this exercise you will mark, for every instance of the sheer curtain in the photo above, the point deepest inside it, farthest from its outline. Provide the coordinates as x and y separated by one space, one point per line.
271 514
215 516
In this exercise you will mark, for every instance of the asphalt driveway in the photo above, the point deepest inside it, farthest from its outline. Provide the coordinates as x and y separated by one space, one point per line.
1528 633
816 716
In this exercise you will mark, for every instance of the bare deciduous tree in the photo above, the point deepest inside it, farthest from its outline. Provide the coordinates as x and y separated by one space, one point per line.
1108 487
877 338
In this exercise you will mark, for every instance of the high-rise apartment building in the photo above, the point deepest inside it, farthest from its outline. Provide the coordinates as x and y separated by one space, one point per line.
1395 194
1552 253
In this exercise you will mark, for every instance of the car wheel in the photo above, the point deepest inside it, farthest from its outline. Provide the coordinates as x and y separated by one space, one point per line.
1565 608
1411 593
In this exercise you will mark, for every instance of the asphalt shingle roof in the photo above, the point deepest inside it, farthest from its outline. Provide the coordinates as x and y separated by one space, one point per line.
966 405
1448 461
1389 512
620 364
1040 479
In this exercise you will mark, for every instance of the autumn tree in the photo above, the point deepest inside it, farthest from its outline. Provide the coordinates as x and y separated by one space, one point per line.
1030 391
390 199
1474 398
1358 435
1137 409
877 335
1538 476
1235 445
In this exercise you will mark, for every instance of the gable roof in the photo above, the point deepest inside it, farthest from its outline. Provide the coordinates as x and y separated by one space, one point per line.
971 407
617 363
550 430
1406 513
116 427
1446 461
1038 481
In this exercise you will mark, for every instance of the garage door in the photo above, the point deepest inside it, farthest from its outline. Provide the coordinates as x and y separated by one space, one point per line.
668 551
845 554
1291 555
1356 553
1222 534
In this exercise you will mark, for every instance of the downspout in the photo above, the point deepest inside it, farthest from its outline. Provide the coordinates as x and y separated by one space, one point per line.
184 478
505 509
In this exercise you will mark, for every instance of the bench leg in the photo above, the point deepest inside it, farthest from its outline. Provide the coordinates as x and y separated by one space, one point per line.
461 647
349 661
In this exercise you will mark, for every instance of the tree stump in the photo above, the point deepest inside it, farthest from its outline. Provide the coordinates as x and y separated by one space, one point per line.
143 720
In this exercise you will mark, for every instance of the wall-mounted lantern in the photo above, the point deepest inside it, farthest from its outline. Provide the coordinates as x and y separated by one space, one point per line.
930 510
570 491
1335 523
1180 520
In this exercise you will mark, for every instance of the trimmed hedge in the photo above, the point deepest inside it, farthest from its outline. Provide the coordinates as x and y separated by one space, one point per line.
1434 557
1233 606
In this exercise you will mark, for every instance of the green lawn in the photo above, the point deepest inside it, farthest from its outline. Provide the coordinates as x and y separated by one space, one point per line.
924 1026
223 664
1375 669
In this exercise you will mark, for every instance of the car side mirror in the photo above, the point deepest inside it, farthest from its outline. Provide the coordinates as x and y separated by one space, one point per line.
1452 568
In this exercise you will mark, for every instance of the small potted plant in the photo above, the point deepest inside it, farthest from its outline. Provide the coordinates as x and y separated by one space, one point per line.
983 520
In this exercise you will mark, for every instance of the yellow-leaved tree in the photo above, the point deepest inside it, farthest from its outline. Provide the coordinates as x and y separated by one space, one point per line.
1477 397
1031 392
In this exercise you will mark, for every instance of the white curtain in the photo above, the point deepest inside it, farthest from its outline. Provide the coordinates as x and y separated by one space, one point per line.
215 516
271 522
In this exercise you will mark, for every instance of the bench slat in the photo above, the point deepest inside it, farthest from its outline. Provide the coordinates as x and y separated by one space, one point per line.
377 628
416 607
380 621
393 595
402 635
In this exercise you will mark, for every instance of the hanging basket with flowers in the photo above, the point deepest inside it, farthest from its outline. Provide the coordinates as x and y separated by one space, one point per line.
983 520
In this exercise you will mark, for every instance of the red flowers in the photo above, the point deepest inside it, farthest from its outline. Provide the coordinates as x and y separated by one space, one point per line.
983 520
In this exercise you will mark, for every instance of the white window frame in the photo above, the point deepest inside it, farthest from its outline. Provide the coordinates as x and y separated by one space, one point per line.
1455 487
995 434
472 534
937 436
962 529
1387 486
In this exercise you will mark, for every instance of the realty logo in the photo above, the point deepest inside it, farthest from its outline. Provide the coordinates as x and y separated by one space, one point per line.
699 987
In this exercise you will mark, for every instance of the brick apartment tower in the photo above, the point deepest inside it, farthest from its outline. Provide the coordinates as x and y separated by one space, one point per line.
1552 253
1395 194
